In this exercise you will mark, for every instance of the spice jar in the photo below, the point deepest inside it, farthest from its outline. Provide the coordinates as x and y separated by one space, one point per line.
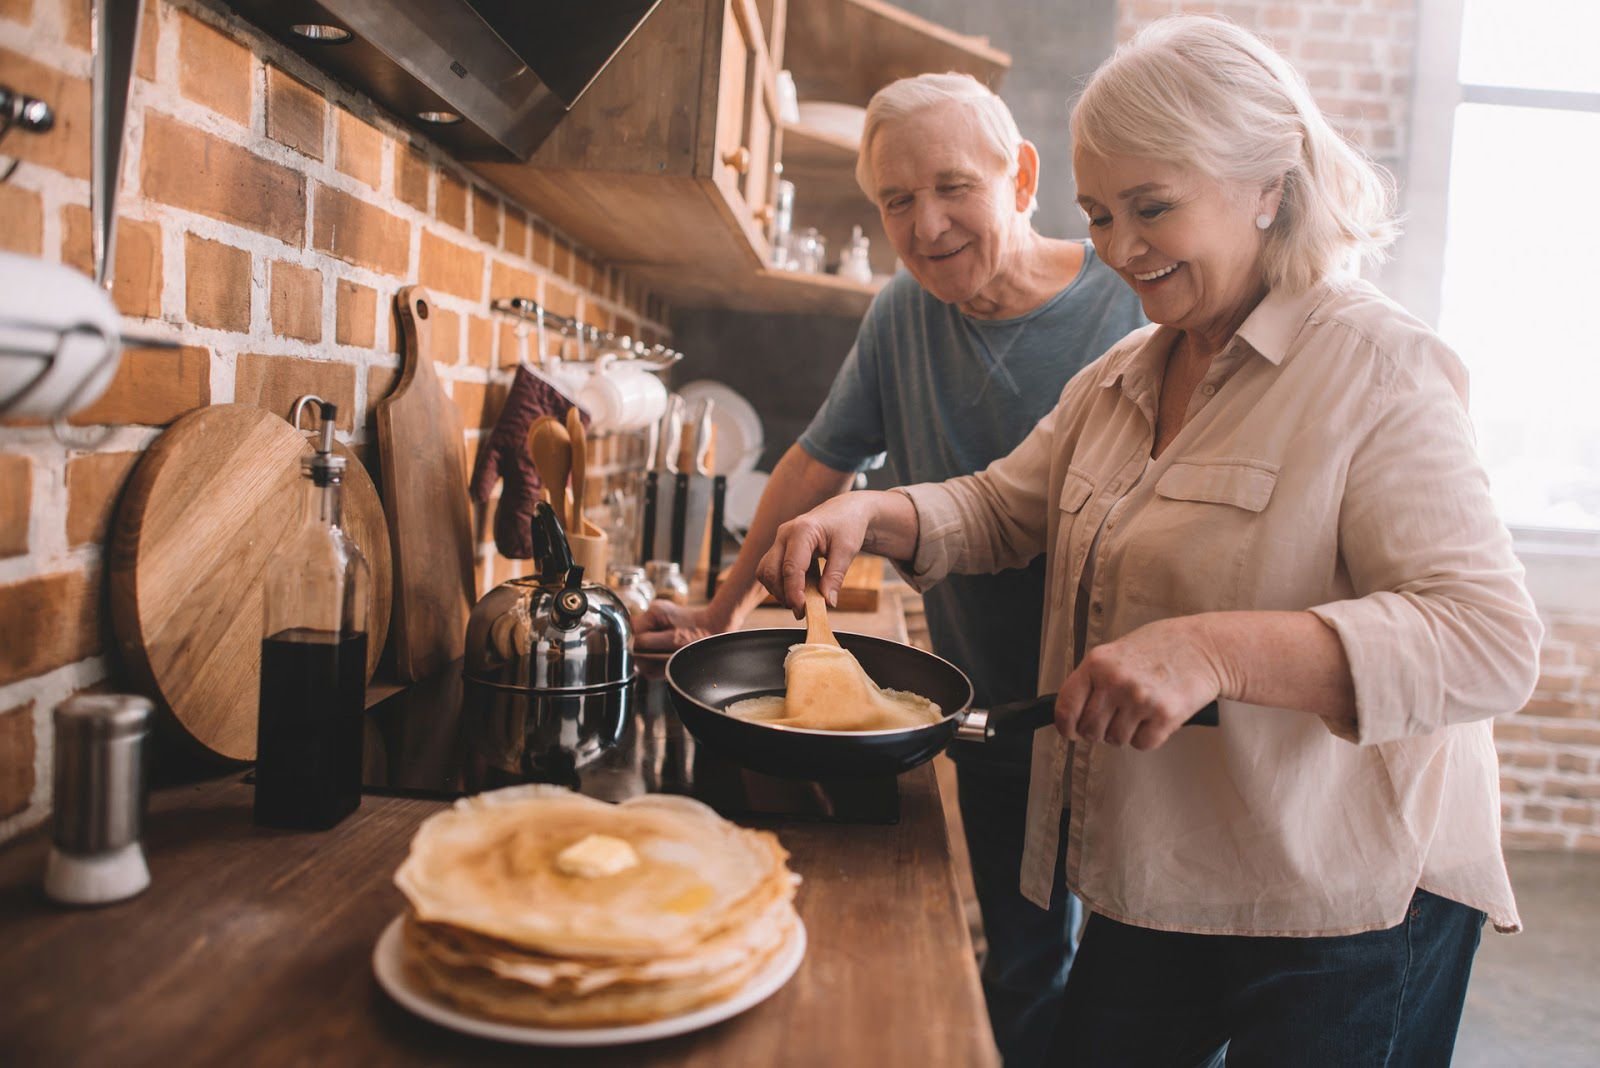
631 585
667 578
99 787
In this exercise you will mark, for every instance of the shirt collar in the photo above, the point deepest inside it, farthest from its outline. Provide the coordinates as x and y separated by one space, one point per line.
1274 324
1268 330
1137 370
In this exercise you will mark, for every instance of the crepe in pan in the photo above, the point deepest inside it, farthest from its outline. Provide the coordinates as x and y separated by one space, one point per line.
827 690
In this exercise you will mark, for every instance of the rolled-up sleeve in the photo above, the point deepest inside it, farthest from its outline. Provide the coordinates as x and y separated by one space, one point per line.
1442 629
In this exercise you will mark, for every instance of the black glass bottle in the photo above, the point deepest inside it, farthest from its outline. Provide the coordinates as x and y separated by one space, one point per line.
313 660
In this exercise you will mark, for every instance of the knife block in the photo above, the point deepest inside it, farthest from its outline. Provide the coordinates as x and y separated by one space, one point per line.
696 558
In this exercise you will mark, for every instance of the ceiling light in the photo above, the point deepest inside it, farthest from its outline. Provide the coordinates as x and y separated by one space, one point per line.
321 32
439 118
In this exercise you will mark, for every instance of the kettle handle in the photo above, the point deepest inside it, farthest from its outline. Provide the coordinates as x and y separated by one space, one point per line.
550 546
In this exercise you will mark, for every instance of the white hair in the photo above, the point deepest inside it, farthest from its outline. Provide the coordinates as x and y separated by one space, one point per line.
907 96
1205 93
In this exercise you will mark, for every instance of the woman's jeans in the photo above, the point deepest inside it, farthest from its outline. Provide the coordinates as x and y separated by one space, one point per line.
1029 948
1389 998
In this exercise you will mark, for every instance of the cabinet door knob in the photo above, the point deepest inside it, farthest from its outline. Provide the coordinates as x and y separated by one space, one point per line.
738 159
763 214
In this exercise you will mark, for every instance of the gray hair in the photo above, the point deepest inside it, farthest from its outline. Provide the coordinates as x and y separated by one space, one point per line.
907 96
1205 93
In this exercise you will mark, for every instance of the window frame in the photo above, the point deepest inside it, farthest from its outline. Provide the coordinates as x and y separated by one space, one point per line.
1563 565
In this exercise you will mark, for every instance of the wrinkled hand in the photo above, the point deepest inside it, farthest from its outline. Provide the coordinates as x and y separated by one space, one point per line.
835 529
1140 688
666 626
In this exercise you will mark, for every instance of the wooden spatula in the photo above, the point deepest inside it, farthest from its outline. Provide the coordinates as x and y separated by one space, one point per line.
552 455
817 630
580 466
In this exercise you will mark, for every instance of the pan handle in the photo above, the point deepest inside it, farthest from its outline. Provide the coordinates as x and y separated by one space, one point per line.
1025 717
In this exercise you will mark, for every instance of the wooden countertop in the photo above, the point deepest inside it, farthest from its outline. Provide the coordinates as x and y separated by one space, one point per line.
254 947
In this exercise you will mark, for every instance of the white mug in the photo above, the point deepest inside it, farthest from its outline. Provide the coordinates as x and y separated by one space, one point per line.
620 397
60 338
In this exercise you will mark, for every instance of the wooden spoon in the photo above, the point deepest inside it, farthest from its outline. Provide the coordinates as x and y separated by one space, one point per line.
552 455
817 630
580 465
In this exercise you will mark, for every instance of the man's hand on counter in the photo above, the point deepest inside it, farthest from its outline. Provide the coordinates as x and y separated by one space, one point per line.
666 626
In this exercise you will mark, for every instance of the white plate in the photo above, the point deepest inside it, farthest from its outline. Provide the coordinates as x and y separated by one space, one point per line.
844 121
739 435
744 494
386 965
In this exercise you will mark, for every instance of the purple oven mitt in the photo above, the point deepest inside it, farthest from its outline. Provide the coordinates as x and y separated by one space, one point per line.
505 456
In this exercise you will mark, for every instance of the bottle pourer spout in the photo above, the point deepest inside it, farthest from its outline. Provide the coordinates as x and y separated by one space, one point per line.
330 414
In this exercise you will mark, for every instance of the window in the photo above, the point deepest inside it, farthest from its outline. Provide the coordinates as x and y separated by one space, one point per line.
1504 213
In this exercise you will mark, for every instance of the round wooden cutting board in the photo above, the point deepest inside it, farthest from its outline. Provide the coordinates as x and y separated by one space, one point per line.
206 507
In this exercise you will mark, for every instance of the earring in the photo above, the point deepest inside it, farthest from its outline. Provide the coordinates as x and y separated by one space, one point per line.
1263 221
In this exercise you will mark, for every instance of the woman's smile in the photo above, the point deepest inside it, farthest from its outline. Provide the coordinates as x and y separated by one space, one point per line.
1156 275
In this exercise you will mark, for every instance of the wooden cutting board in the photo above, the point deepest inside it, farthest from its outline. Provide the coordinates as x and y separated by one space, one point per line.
204 510
423 460
863 583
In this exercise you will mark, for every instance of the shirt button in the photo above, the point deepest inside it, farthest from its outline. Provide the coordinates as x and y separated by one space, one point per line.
1208 389
1096 607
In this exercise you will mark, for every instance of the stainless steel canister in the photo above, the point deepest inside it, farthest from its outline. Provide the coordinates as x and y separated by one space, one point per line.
99 794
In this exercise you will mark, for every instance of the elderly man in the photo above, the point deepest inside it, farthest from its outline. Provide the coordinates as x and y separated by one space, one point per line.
957 359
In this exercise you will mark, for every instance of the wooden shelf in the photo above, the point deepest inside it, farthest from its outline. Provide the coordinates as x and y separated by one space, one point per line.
819 294
782 292
807 149
846 50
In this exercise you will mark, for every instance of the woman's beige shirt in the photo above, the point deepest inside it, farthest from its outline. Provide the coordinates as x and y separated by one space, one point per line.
1327 464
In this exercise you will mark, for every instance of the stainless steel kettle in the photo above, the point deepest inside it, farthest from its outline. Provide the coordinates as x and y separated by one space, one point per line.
548 677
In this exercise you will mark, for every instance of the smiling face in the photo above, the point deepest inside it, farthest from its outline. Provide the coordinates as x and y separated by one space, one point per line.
953 215
1187 243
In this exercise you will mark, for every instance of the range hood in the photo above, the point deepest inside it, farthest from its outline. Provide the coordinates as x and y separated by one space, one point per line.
487 79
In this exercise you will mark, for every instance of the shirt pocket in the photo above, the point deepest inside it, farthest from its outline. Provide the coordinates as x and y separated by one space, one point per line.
1076 491
1243 484
1187 551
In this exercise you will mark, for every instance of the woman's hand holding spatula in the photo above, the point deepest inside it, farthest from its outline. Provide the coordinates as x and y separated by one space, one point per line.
838 530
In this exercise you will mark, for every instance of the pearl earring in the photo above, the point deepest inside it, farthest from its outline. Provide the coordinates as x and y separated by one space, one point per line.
1263 221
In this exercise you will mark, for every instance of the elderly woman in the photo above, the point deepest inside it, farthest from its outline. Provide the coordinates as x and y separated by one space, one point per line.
1270 498
958 357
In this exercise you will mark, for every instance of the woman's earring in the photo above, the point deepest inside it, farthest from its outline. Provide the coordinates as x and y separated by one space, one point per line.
1263 221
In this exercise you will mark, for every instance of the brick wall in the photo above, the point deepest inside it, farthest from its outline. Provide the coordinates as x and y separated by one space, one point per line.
267 218
1550 751
1357 56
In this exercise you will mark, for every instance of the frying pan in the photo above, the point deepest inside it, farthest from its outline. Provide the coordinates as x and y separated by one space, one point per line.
706 676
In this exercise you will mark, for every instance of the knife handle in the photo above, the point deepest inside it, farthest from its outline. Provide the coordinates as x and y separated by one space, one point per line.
647 525
1029 716
680 516
719 496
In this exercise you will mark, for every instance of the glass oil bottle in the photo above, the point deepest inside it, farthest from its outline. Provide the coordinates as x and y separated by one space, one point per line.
313 660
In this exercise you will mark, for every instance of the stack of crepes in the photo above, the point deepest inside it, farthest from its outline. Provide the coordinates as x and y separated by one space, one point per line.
542 907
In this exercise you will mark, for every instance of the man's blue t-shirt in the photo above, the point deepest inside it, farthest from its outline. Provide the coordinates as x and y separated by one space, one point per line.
944 394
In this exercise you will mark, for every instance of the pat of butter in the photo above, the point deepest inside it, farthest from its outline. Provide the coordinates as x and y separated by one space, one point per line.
595 856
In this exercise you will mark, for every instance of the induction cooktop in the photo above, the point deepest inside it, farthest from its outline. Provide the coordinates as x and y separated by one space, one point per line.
427 742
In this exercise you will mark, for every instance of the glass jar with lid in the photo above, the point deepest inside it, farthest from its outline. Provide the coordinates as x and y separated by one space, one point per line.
631 585
667 578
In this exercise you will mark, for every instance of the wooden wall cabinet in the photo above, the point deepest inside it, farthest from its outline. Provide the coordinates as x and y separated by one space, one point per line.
666 165
662 163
